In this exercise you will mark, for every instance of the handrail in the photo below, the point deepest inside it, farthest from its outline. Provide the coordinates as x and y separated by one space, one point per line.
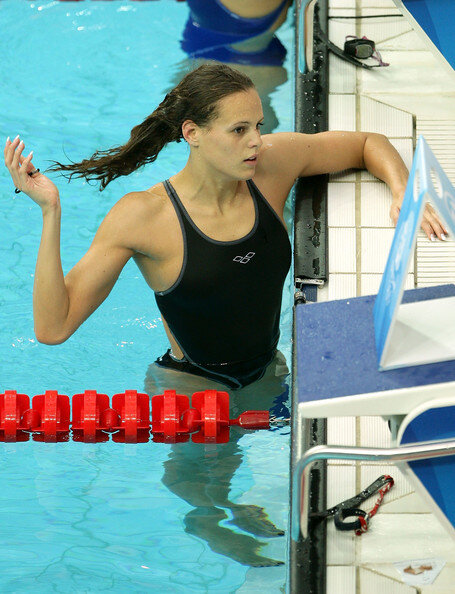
419 451
304 39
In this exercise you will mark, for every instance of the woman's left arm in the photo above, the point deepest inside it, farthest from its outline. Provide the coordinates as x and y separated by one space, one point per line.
303 155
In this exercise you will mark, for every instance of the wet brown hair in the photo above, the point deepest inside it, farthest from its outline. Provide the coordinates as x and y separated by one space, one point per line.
194 98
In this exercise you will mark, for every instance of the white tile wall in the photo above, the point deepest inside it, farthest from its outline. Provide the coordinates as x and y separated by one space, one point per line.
342 112
402 42
370 283
405 74
375 582
401 488
382 5
375 249
383 119
335 6
341 204
393 538
374 432
375 205
435 261
341 431
442 585
341 579
341 484
341 546
342 76
342 250
339 28
339 286
422 105
380 30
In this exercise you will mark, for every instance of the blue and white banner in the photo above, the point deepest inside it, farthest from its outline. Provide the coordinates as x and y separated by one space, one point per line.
427 182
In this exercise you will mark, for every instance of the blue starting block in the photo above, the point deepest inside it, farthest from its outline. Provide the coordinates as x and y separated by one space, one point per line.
337 374
336 362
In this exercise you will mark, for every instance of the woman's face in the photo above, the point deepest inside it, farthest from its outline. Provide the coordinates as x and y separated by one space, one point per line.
230 143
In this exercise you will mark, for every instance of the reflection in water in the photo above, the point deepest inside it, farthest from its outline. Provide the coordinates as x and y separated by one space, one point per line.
201 474
214 32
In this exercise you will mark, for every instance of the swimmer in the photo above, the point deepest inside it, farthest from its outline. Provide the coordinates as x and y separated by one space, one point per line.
210 241
236 32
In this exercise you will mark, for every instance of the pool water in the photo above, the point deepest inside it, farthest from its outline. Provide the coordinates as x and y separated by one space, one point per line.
80 517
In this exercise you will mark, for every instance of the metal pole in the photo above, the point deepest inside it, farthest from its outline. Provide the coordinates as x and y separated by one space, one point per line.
420 451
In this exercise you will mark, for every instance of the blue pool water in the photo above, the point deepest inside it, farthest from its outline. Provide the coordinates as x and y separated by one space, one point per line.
98 517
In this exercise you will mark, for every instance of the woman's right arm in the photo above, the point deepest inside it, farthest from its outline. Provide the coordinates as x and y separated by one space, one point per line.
61 304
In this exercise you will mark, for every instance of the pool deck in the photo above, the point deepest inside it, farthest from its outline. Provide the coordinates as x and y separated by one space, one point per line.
414 95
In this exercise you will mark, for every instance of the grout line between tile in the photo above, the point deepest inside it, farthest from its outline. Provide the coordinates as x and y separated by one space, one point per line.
358 214
358 219
358 234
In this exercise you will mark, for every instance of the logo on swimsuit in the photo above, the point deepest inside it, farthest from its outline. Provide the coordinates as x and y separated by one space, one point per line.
244 259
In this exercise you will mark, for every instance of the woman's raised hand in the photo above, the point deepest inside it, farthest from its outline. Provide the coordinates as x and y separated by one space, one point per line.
38 187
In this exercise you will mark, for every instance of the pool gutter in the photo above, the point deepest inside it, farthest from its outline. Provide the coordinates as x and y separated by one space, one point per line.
307 558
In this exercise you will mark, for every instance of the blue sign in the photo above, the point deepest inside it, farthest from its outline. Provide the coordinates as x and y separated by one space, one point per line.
436 18
420 187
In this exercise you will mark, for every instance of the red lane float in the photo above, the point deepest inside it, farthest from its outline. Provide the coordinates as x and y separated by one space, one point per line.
50 416
89 416
134 412
173 419
170 417
12 409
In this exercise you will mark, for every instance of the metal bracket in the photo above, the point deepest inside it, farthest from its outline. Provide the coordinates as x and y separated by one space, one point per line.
300 284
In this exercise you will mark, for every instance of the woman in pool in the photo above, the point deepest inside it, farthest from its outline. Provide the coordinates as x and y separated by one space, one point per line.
212 245
210 241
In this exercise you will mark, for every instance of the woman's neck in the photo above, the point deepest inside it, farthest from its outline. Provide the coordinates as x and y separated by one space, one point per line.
205 187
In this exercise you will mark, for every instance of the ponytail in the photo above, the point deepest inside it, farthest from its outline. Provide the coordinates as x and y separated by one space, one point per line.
194 98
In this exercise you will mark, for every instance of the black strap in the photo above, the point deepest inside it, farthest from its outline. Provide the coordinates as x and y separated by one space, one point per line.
339 52
349 512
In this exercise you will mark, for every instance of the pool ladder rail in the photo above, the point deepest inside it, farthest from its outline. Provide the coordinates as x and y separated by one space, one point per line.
128 419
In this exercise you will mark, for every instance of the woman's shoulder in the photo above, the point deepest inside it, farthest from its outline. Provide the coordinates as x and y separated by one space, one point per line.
142 205
140 202
277 166
140 215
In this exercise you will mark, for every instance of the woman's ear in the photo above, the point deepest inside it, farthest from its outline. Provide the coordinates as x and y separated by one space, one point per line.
190 132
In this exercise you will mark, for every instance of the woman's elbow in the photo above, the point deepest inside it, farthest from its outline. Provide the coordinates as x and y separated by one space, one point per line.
48 338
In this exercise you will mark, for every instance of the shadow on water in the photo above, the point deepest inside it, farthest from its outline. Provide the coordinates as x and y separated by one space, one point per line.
201 474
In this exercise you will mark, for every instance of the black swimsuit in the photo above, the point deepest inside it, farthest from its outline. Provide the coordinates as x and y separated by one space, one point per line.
224 308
